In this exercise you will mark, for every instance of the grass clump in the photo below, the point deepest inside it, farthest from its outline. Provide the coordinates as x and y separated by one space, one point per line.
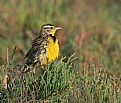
54 85
97 85
61 82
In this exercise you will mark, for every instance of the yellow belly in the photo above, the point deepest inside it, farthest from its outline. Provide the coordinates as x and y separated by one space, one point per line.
52 52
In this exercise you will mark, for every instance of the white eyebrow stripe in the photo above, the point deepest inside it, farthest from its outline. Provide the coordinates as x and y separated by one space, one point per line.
48 26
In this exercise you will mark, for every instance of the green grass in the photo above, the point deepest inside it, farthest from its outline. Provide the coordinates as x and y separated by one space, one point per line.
98 86
55 84
61 82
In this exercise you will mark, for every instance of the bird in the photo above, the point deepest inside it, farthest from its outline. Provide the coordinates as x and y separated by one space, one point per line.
44 49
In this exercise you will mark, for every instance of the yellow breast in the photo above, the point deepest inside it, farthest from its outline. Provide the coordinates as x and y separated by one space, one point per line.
52 51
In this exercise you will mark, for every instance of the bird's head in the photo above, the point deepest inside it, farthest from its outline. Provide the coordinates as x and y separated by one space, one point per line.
48 29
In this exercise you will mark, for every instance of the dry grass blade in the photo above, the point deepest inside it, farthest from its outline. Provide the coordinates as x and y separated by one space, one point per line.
7 56
14 51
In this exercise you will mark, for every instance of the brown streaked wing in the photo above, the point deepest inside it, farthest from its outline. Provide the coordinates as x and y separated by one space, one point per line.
37 51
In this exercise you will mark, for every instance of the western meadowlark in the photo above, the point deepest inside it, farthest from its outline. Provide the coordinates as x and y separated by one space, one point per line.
44 48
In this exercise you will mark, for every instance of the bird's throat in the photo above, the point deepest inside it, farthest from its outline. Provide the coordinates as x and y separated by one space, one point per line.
53 37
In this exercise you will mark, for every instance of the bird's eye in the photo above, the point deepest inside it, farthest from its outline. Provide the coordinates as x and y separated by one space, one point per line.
51 27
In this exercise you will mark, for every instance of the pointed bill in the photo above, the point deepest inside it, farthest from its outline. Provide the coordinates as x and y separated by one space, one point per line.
57 28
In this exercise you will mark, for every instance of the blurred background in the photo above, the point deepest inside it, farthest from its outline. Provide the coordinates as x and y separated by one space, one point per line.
91 29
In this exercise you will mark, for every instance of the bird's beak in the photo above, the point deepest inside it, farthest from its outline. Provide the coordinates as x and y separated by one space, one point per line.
54 30
57 28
